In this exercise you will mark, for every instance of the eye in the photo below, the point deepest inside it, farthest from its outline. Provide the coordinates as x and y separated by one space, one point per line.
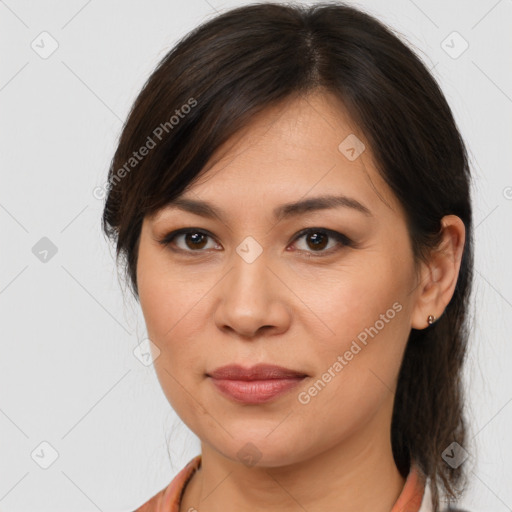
196 240
317 238
191 237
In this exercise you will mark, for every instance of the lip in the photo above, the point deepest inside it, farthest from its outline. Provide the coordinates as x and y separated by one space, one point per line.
255 385
257 372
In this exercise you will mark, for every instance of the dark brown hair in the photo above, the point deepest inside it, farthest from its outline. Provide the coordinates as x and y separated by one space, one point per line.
241 62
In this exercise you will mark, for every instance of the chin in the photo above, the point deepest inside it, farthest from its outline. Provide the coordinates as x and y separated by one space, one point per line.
261 450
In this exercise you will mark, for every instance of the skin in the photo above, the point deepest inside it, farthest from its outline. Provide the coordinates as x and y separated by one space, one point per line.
208 309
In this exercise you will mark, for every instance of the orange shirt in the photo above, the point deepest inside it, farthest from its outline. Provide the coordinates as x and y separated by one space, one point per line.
411 498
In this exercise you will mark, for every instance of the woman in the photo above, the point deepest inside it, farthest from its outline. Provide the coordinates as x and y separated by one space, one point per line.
290 195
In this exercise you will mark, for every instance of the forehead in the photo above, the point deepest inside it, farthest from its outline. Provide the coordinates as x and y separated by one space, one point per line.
311 126
303 147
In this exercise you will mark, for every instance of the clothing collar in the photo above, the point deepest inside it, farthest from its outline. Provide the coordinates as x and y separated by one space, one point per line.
415 495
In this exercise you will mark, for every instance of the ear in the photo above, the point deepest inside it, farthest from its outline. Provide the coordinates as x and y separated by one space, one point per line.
439 275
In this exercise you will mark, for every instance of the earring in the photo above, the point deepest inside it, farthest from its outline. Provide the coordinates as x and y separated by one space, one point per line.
431 319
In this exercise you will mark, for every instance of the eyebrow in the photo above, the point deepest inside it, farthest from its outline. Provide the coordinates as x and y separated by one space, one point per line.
284 211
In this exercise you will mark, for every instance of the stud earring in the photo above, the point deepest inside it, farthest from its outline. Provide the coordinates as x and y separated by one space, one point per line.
431 319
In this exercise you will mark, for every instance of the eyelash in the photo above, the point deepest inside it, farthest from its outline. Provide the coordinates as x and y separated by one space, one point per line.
343 240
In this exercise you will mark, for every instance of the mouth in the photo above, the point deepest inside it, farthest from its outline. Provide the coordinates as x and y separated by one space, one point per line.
255 385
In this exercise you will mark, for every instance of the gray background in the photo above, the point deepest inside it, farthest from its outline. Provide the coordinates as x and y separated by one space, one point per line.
68 374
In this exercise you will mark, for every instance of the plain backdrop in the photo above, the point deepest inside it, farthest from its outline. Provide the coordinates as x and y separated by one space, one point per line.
74 398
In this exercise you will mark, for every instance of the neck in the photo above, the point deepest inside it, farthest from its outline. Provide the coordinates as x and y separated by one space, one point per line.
359 474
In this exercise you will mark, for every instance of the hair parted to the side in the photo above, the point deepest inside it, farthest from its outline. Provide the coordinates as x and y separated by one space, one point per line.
239 63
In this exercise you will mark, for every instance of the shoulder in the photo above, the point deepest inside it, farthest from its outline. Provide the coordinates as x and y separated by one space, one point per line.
426 503
154 504
168 499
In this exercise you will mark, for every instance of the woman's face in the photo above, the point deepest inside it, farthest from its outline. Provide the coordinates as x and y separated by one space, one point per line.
246 288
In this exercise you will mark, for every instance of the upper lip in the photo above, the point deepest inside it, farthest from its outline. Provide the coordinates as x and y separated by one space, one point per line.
257 372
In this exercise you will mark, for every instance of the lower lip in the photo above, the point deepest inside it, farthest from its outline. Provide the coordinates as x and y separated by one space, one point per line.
255 391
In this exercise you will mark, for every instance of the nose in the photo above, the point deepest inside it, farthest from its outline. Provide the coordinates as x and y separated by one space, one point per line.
252 300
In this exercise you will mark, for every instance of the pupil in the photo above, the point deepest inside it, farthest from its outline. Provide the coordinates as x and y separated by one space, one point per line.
317 244
195 238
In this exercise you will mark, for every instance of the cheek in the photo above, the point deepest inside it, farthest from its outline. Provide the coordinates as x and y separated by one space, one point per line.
350 301
166 298
174 315
169 314
357 366
172 323
365 315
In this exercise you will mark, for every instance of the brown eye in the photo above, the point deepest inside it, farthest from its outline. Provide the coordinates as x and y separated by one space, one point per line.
187 240
195 240
317 239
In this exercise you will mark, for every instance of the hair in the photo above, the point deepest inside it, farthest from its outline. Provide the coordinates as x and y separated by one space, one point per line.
217 77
